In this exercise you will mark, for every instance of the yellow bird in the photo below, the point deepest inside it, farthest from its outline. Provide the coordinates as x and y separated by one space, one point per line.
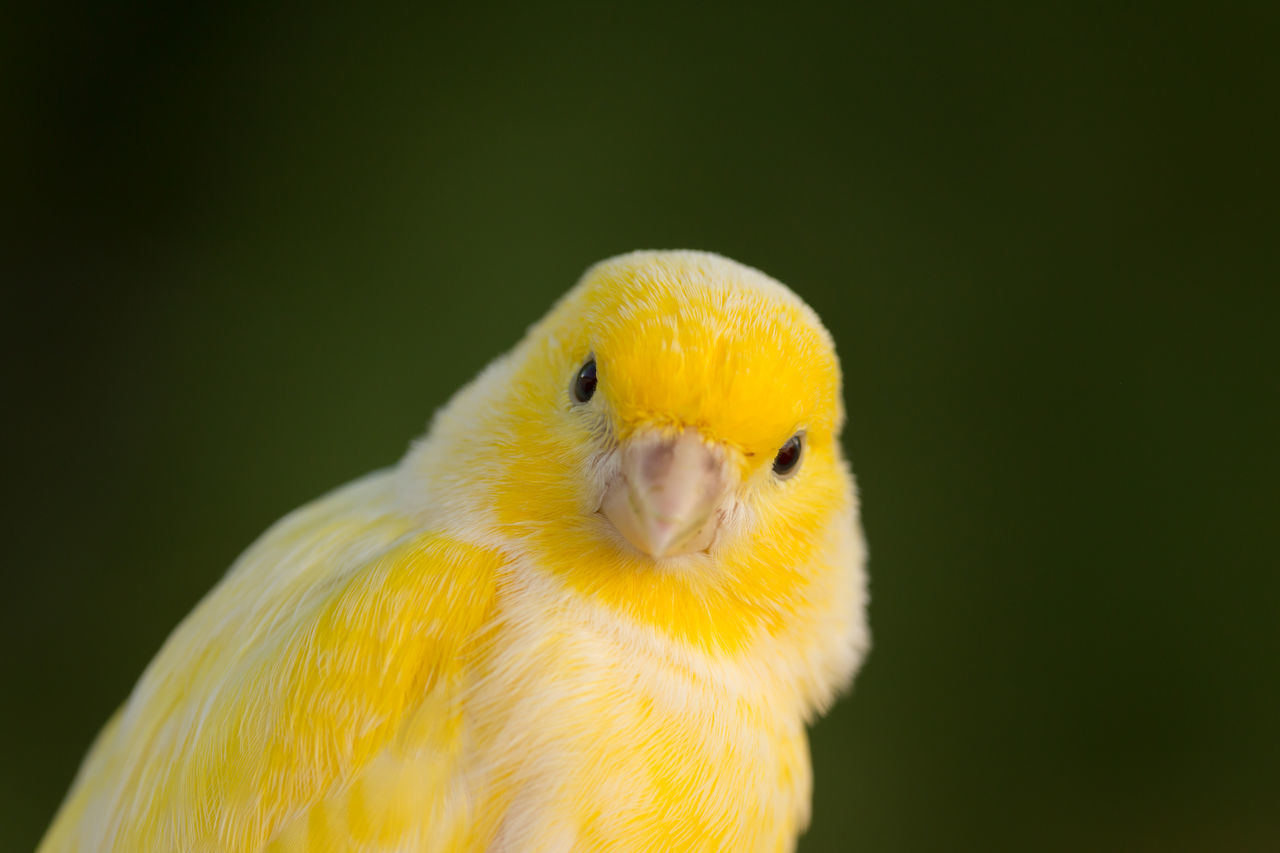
593 609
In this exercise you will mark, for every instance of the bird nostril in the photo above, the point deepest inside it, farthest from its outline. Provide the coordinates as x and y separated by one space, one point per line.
656 462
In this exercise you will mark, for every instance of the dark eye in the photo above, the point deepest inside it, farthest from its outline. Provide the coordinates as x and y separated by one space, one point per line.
788 457
584 384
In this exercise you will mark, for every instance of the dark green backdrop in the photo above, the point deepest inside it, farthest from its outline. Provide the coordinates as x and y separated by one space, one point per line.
250 250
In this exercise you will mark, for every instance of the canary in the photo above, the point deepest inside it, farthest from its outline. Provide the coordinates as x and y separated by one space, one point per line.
593 609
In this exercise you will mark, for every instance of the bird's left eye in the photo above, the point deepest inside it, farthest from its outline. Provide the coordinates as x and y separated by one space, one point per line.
584 384
784 464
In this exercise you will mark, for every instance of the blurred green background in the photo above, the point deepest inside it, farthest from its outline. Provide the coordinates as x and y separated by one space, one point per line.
250 250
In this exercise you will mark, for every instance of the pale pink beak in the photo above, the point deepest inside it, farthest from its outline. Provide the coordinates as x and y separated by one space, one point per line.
667 496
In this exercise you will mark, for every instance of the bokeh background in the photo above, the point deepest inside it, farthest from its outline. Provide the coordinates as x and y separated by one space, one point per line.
248 250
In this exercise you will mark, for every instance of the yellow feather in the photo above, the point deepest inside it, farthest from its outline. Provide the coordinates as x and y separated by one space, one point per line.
460 653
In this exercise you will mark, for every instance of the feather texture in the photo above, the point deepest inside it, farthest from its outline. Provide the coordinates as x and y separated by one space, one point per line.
461 653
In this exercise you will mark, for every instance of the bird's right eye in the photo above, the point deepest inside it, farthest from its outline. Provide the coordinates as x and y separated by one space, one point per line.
584 384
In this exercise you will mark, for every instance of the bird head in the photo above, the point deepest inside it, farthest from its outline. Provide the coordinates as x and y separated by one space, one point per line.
675 415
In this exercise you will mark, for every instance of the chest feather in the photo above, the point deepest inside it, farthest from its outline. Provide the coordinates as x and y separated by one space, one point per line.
610 742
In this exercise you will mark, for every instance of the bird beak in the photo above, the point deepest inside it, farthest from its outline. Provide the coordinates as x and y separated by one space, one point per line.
665 498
